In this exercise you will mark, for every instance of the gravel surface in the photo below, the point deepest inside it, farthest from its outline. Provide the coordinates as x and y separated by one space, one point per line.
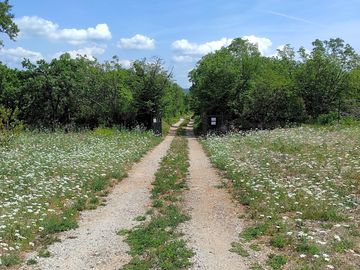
95 244
214 223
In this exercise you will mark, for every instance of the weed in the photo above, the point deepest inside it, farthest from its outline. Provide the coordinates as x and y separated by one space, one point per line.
343 245
239 249
256 266
279 241
276 261
44 253
140 218
157 203
255 247
31 262
305 247
253 232
10 259
174 255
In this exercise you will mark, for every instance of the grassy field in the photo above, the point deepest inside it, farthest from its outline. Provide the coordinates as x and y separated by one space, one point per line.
46 179
301 189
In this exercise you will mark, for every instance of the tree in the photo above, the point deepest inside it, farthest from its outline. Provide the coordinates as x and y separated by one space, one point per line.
213 83
323 75
149 82
7 25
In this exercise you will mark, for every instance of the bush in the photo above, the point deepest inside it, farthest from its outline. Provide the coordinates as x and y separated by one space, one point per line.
276 261
104 131
10 126
350 121
327 119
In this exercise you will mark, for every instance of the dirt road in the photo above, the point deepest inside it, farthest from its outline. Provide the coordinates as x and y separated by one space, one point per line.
214 223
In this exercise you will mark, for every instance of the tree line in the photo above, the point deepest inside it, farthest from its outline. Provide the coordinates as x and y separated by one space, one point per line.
82 92
255 91
71 93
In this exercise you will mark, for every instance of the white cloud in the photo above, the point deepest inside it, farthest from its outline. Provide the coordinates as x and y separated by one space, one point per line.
89 52
264 44
184 47
186 51
18 54
125 63
183 58
138 42
36 26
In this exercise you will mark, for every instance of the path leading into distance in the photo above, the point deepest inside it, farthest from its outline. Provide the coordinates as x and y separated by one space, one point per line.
213 226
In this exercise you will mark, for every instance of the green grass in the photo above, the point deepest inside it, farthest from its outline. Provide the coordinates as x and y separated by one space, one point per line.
31 262
300 187
279 241
47 178
254 232
156 244
140 218
9 259
44 253
239 249
276 261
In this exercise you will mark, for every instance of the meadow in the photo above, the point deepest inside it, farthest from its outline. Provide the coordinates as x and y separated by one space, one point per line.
47 178
301 192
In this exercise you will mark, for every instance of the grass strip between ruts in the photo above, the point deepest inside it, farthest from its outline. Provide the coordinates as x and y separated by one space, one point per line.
156 243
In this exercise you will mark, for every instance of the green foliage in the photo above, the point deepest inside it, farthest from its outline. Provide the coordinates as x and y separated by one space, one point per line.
58 223
73 94
304 246
7 25
104 131
253 91
278 241
276 261
239 249
254 232
31 262
10 126
174 255
10 259
326 119
44 253
343 245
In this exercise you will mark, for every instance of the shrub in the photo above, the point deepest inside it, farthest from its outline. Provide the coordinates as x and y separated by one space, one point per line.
10 126
327 119
276 261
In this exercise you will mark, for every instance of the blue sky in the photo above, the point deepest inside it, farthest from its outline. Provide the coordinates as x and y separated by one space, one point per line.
178 31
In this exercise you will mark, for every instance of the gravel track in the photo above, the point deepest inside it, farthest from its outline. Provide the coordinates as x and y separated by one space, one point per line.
214 223
95 245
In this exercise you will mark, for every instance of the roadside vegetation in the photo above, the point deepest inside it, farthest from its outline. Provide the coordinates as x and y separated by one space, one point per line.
252 91
301 189
47 178
156 243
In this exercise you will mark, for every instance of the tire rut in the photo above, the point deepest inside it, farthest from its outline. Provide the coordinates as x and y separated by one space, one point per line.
214 223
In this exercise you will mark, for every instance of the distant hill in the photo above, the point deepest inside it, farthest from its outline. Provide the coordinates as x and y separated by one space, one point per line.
186 90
